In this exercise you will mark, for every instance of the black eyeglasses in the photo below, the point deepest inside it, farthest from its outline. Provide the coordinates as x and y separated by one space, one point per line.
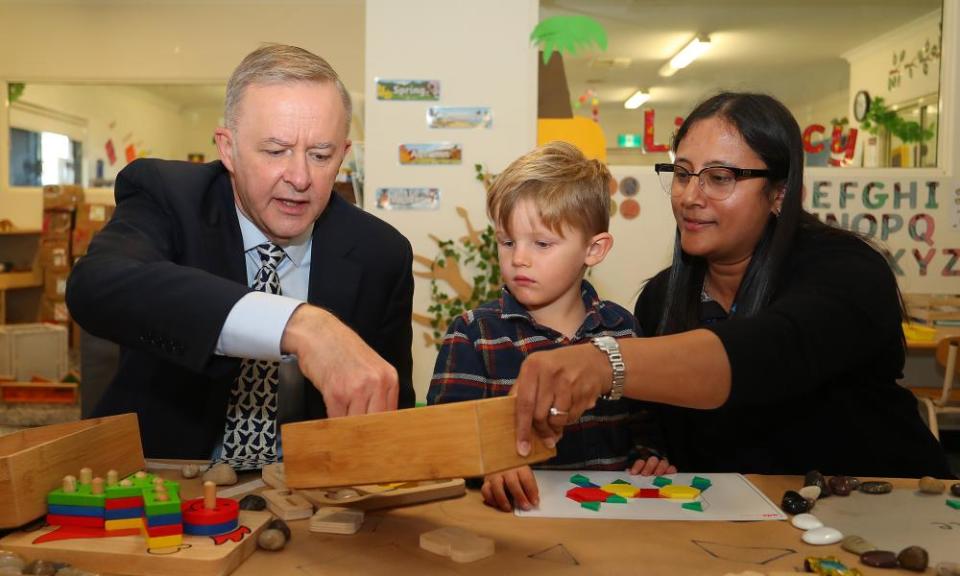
717 182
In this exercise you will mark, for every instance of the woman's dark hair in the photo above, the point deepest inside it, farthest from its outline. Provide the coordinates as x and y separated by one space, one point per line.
771 131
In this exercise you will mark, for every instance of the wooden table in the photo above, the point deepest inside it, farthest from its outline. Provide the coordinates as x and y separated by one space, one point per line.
388 544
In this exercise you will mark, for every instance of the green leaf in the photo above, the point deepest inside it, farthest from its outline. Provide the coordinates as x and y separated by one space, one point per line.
568 34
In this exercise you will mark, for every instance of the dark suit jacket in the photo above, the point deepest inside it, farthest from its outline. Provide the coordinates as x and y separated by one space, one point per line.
164 273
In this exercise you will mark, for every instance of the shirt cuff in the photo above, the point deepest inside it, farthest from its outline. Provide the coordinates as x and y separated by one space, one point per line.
254 327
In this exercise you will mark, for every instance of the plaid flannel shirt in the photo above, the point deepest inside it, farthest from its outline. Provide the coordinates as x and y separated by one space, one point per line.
481 356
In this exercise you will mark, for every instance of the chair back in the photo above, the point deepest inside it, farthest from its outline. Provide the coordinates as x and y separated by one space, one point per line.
947 357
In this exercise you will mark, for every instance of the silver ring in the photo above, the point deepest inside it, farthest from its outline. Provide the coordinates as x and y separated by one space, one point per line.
554 411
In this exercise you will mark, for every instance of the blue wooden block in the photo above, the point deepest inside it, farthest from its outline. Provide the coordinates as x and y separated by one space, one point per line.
210 529
88 511
164 519
123 513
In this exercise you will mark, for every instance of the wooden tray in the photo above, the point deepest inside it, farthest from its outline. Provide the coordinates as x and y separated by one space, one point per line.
34 461
456 440
198 556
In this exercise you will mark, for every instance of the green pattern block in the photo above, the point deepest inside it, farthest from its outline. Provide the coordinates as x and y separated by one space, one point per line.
595 506
701 484
580 480
172 506
955 504
82 497
616 499
620 481
695 506
660 481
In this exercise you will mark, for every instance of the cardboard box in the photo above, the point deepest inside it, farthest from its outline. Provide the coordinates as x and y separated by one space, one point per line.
91 218
57 225
55 284
62 197
34 461
55 254
33 350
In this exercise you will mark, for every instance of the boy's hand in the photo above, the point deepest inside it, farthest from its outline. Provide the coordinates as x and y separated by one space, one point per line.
517 484
652 466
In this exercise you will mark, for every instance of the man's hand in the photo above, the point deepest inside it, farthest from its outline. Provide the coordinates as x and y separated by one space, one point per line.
351 376
517 484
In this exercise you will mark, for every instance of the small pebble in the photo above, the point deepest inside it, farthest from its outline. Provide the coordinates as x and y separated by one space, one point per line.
43 568
253 502
278 524
948 568
221 474
809 492
10 571
815 478
879 559
914 558
71 571
955 489
190 471
822 535
856 545
876 487
271 539
841 485
10 559
794 503
806 521
930 485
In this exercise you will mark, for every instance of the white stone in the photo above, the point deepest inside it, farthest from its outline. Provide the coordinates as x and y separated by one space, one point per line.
822 535
810 492
806 522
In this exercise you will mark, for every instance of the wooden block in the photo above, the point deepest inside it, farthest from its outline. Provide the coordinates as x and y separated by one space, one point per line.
288 505
443 441
460 544
34 461
273 476
336 520
374 497
128 554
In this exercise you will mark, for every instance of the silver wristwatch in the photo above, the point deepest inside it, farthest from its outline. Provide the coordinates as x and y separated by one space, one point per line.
609 345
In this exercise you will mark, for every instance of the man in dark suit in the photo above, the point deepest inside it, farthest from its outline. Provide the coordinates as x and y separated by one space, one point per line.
243 292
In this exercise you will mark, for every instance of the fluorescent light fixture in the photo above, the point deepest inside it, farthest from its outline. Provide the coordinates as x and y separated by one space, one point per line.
684 57
637 100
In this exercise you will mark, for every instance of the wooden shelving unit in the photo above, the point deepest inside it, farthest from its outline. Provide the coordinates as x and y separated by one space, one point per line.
23 248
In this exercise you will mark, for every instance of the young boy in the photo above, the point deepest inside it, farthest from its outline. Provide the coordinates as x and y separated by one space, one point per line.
551 211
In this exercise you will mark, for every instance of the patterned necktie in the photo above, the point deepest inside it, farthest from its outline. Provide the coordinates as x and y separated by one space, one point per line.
250 436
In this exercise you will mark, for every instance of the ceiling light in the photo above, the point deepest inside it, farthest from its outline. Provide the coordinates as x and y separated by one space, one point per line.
637 100
690 52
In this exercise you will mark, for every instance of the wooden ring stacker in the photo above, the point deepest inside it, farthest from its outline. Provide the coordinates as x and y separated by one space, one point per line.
210 509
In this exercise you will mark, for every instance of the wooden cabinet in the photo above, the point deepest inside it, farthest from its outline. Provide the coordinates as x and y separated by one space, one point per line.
22 286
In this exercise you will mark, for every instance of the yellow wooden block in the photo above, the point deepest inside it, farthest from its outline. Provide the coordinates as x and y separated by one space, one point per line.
123 523
583 133
165 541
625 490
679 492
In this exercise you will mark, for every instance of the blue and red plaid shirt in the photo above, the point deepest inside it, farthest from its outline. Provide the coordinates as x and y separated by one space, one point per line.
481 356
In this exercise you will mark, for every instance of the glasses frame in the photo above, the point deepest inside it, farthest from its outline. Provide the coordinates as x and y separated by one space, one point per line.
738 174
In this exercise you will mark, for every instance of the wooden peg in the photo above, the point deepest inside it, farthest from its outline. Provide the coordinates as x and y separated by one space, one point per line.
112 478
96 485
86 475
209 495
141 474
69 484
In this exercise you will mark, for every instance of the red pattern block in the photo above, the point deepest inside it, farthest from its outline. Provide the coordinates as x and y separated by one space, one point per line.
581 494
80 532
120 503
66 520
235 536
168 530
647 493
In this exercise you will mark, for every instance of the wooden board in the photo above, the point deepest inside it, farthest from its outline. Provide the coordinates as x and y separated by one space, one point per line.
34 461
200 556
443 441
371 497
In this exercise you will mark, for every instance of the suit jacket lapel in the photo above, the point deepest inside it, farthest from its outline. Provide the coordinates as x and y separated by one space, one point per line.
223 242
334 277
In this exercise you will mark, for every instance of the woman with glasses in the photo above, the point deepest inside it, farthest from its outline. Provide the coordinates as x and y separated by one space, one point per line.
777 339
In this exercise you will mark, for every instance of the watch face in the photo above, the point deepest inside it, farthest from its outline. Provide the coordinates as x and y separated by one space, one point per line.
861 103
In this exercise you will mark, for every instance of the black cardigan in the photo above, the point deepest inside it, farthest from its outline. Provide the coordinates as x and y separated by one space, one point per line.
814 375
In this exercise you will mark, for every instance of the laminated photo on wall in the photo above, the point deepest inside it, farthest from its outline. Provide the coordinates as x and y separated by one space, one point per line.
431 153
459 117
408 198
408 89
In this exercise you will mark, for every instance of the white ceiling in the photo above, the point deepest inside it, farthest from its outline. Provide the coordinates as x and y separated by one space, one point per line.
789 48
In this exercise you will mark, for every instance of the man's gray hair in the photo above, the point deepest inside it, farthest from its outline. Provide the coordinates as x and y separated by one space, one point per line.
280 64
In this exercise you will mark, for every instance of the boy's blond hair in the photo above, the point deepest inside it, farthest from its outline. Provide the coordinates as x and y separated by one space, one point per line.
566 188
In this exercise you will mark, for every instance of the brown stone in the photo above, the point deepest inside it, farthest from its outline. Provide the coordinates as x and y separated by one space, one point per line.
913 558
955 489
879 559
930 485
876 487
271 540
841 485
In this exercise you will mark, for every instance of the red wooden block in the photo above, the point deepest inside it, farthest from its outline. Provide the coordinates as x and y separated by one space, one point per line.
119 503
168 530
581 494
647 493
65 520
194 513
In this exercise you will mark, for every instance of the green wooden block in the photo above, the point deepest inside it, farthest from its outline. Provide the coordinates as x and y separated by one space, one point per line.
701 484
119 491
695 506
660 481
595 506
619 481
580 480
82 497
616 499
955 504
171 506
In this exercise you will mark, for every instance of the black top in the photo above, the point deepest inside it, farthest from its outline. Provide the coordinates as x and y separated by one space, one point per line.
813 375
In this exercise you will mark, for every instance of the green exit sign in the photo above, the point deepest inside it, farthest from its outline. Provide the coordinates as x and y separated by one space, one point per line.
629 140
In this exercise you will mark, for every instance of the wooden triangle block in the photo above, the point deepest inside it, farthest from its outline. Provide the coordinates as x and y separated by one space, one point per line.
443 441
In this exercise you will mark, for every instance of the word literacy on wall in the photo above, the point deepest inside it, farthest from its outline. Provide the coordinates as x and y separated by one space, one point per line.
408 198
431 153
459 117
416 90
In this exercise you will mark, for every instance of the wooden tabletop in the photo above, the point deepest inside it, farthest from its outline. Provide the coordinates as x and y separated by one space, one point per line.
388 544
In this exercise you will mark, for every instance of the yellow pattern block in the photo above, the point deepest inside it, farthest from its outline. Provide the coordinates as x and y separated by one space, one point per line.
625 490
679 492
123 523
165 541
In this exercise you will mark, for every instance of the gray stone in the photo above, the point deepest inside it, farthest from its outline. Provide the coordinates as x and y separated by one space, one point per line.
271 539
221 474
10 559
815 478
253 502
856 545
190 471
948 569
913 558
43 568
955 489
876 487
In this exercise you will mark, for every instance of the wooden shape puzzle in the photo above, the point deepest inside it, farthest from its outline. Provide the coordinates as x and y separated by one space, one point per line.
336 520
595 506
581 494
621 489
694 506
679 492
700 483
459 544
647 493
661 481
455 440
288 505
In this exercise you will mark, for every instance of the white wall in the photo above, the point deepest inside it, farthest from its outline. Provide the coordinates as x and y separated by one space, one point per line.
480 53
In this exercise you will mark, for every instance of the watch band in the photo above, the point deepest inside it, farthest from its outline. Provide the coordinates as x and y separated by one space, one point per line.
611 347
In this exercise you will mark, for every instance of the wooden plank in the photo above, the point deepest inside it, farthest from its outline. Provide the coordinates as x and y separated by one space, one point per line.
34 461
11 280
198 556
444 441
374 497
